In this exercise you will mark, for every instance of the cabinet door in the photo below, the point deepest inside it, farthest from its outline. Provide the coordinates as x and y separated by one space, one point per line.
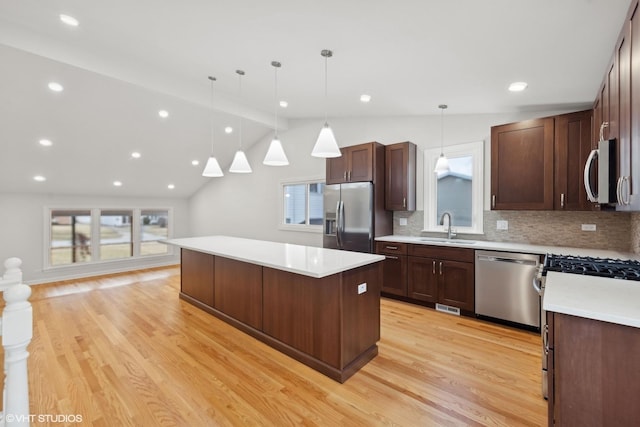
197 275
522 165
360 159
456 284
337 169
400 177
631 186
572 147
422 280
394 275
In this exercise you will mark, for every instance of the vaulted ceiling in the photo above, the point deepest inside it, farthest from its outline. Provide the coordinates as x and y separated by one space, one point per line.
126 60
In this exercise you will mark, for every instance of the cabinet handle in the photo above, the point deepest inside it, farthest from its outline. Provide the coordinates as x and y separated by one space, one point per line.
391 257
545 339
602 126
349 175
441 268
395 248
433 267
626 196
562 200
345 175
404 202
619 190
493 201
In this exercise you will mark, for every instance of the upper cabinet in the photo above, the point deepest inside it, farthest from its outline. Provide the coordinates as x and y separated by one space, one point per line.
522 165
400 176
355 165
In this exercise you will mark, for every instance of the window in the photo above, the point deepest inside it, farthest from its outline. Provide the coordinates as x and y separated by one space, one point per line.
84 236
459 191
302 203
69 237
153 230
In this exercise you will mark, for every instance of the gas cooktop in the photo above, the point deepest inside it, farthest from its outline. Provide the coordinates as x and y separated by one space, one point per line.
590 266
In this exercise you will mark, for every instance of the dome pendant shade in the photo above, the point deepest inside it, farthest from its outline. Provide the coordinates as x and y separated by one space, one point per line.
275 155
212 168
240 163
442 165
326 145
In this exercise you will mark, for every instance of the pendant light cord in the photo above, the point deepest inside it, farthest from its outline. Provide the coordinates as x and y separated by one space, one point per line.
326 99
212 79
276 95
240 74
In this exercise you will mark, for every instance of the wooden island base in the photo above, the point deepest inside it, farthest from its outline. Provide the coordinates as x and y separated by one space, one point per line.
324 323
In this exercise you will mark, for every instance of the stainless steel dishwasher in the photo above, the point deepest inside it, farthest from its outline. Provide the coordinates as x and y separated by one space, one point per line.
503 287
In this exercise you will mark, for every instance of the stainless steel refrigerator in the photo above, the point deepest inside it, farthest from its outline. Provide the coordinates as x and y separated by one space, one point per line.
349 216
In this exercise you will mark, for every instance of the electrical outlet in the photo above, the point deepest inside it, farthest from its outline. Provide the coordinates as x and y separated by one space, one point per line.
502 224
588 227
362 288
403 221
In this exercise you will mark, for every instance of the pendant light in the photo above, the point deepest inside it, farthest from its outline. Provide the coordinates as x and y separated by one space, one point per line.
326 145
275 155
212 168
442 165
240 163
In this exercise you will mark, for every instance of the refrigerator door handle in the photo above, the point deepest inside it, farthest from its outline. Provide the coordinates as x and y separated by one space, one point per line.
339 243
341 223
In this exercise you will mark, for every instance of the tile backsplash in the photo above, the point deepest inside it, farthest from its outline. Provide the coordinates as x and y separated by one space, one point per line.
619 231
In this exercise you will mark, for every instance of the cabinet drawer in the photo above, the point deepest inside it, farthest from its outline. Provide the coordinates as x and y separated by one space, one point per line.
391 248
442 252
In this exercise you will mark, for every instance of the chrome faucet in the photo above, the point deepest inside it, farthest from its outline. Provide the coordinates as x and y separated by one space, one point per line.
450 234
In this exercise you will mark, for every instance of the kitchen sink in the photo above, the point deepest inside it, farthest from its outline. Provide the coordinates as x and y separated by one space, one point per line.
448 241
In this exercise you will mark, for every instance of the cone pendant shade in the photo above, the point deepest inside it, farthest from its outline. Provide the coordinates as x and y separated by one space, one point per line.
326 145
240 163
212 168
275 155
442 165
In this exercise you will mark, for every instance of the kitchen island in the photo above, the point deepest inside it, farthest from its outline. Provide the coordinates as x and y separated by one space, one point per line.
319 306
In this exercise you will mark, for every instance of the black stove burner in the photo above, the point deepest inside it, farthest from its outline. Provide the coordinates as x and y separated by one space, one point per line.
590 266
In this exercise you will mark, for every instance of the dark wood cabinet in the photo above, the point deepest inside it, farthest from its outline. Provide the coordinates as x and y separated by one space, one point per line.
400 176
522 165
394 267
197 275
594 374
356 163
442 275
238 290
572 146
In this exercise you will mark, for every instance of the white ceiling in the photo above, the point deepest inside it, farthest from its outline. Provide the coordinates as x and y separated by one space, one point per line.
128 59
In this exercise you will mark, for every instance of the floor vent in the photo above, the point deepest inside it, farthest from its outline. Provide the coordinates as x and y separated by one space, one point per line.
448 309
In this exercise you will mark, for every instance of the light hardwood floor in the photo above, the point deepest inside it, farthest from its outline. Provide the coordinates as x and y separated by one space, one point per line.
124 350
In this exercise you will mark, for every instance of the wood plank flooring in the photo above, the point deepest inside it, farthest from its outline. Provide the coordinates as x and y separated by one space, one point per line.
124 350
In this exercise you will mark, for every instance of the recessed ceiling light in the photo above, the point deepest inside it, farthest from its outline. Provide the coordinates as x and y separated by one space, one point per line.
228 129
284 104
45 142
365 98
518 86
117 183
195 162
39 178
56 87
69 20
163 113
171 186
136 155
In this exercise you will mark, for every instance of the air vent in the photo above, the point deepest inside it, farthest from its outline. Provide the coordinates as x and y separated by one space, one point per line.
448 309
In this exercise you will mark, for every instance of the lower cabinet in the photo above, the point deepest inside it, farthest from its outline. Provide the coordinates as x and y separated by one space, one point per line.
394 275
196 276
429 274
594 372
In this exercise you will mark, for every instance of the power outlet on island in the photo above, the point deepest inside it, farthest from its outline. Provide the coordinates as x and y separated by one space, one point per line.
588 227
362 288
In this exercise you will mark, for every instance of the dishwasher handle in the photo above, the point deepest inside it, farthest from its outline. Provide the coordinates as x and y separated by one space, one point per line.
495 258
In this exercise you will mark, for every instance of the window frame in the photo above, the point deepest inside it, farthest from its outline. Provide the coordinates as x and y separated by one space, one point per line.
309 228
95 235
476 151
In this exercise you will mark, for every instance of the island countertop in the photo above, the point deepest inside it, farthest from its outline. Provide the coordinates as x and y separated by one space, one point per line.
306 260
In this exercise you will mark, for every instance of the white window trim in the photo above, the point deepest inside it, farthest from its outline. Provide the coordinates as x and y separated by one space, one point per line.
475 149
296 227
95 235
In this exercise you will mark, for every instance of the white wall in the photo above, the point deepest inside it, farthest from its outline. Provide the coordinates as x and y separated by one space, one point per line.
22 233
247 205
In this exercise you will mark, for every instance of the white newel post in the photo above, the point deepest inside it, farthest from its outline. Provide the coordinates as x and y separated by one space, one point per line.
17 331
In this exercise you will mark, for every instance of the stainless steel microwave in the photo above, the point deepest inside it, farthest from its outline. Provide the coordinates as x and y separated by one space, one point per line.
604 157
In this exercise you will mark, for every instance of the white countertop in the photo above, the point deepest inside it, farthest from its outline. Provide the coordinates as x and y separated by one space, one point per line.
305 260
609 300
512 247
